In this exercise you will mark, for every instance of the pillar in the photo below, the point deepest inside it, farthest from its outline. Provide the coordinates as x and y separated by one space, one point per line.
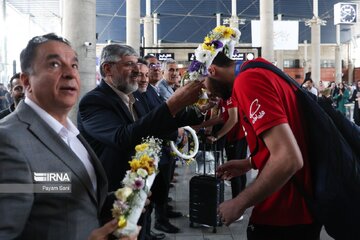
80 30
155 22
306 60
315 23
148 27
3 48
133 24
218 19
233 20
338 67
267 29
280 53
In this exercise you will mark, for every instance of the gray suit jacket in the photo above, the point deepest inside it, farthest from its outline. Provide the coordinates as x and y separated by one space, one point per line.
165 90
28 145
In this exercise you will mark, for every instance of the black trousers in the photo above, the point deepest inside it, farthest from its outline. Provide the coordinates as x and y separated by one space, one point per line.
237 150
295 232
160 191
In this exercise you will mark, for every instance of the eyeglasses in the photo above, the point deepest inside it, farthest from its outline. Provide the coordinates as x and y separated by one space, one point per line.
154 65
129 64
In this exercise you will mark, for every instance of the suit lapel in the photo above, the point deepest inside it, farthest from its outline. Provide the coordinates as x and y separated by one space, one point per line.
139 105
47 136
157 99
100 173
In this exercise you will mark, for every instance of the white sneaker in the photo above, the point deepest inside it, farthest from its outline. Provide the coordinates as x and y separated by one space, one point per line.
239 219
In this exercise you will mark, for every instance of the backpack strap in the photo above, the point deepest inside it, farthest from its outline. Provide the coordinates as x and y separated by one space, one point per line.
272 68
280 73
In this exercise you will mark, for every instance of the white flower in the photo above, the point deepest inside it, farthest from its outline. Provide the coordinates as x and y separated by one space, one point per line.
219 39
142 172
122 194
237 35
202 55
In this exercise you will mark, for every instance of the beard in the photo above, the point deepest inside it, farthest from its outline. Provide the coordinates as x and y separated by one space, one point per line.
220 89
128 86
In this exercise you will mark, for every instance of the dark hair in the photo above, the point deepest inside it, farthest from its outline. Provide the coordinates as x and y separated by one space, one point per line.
28 55
149 56
307 80
357 86
221 60
142 61
16 76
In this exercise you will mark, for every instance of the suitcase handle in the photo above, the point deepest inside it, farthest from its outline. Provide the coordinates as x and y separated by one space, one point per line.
217 154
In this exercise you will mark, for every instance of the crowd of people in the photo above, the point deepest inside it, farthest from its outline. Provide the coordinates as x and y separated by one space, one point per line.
139 97
339 94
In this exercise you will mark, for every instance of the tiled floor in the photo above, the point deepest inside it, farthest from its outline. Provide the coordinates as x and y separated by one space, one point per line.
180 194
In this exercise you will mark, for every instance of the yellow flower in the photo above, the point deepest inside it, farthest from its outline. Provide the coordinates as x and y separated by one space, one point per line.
135 164
122 221
228 32
141 147
219 29
208 47
145 158
123 193
207 40
149 166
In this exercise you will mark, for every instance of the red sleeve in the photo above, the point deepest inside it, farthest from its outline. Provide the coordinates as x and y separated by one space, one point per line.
258 99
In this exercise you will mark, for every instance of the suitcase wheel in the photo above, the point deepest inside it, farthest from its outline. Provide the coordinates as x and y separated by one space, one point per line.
191 224
214 230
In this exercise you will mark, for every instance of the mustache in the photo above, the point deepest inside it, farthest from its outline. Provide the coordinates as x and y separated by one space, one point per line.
134 74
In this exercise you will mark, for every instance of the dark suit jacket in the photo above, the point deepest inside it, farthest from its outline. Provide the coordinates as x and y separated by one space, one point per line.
152 98
7 111
106 123
29 145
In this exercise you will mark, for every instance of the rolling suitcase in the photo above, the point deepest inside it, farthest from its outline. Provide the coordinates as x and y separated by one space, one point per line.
206 193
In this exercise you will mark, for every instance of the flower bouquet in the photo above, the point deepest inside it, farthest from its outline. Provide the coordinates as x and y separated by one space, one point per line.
221 38
130 199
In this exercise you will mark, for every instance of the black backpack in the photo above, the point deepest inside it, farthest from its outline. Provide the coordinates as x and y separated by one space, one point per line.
334 148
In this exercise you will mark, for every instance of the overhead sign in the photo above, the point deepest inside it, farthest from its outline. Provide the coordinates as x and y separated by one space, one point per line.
238 56
163 56
286 34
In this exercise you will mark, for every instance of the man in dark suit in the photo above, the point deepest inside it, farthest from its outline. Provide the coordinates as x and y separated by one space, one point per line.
39 141
160 188
114 121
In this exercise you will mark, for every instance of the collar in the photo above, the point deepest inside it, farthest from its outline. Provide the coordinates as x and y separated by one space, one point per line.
50 120
124 97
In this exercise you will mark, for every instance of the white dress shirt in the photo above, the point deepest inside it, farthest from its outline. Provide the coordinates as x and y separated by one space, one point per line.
69 135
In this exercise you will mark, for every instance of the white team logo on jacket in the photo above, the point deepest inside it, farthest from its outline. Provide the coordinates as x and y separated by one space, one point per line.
255 112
